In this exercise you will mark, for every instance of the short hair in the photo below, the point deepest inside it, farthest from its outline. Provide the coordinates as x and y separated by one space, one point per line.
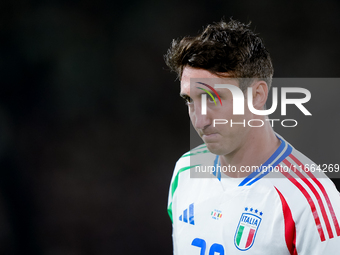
223 48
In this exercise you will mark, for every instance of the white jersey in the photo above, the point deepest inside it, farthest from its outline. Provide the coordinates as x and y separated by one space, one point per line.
283 210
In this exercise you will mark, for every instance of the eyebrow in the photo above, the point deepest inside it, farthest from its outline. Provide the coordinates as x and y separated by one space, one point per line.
183 95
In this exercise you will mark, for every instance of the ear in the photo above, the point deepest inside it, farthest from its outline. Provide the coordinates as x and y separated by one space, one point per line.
260 94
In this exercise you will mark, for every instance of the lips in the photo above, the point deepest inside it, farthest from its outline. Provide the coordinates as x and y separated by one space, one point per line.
209 135
207 132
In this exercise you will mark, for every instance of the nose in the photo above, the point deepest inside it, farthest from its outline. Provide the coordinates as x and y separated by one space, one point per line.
200 121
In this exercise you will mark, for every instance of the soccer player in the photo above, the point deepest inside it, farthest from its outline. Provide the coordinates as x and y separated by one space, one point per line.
275 207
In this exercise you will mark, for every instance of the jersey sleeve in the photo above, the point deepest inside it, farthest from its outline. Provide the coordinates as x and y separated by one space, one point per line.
318 230
181 165
311 211
184 163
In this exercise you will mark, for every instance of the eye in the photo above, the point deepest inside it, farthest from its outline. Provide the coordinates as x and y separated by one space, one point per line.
187 100
211 100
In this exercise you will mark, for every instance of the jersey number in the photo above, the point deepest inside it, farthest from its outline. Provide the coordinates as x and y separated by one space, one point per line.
198 242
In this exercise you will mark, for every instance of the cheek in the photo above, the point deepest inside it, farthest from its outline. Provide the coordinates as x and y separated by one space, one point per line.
247 113
225 112
192 116
191 109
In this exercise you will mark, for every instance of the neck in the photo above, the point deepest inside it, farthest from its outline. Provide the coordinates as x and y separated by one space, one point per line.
259 145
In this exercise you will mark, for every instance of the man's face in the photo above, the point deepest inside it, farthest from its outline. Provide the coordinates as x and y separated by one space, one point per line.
221 139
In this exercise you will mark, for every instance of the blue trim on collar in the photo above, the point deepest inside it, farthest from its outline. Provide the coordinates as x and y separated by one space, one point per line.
217 168
268 170
260 172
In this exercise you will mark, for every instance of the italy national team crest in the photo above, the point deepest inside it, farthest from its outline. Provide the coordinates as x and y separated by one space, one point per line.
247 228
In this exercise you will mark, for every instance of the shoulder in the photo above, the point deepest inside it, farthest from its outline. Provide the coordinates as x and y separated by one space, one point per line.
297 176
181 175
309 196
196 156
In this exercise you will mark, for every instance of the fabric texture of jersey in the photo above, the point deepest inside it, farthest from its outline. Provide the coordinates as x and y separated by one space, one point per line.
284 207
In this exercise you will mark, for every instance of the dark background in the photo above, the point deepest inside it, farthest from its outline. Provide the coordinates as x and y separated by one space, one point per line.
91 123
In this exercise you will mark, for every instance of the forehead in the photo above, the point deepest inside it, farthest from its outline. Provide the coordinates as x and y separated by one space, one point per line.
197 74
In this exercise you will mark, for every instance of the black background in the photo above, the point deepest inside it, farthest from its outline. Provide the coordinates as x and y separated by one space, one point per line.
91 123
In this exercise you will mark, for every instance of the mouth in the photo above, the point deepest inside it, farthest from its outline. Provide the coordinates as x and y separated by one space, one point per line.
209 135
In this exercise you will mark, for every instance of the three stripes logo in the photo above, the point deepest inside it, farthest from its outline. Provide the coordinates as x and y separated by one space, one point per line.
316 196
188 218
247 228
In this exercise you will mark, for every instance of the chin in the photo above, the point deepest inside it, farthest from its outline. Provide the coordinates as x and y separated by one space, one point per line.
216 149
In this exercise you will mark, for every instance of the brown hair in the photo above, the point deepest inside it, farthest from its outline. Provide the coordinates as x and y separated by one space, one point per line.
223 48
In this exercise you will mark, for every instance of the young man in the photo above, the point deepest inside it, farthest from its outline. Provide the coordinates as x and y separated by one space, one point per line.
262 199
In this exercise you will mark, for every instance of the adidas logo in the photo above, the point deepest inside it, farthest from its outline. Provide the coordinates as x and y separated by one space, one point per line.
184 216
